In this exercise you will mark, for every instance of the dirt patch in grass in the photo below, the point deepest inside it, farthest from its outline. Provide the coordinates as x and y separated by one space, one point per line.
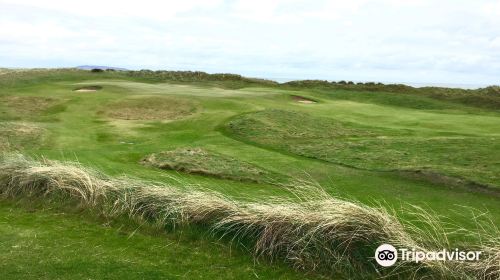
151 108
28 105
19 135
303 100
208 163
88 89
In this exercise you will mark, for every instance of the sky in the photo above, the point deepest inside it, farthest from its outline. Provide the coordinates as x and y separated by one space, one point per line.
412 41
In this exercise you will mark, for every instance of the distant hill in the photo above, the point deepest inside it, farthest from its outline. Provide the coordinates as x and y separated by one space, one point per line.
90 67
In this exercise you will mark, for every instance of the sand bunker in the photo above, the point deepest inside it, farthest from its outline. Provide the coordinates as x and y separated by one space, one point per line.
88 89
151 108
303 100
85 90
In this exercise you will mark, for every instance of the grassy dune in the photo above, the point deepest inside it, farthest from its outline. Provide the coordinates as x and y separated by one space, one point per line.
372 144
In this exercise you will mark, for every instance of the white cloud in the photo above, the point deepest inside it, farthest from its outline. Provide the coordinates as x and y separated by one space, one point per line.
159 10
389 40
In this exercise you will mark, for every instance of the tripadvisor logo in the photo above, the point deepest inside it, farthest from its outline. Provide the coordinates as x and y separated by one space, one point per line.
386 255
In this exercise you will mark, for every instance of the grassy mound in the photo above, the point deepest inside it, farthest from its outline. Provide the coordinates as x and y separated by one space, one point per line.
473 158
318 232
203 162
151 108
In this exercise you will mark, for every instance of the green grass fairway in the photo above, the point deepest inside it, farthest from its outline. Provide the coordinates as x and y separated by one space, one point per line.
47 243
424 147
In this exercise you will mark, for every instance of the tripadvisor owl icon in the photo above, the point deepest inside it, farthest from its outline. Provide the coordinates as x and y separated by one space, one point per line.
386 255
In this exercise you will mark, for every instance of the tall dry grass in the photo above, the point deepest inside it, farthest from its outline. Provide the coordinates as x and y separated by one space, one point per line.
317 232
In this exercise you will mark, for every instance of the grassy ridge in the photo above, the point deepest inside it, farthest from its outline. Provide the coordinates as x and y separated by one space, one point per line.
488 98
224 80
320 233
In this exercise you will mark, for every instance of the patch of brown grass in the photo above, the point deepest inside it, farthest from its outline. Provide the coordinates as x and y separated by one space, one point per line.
28 105
151 108
17 135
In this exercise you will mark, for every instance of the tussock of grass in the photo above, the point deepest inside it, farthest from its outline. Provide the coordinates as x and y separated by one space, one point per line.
204 162
319 232
151 108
